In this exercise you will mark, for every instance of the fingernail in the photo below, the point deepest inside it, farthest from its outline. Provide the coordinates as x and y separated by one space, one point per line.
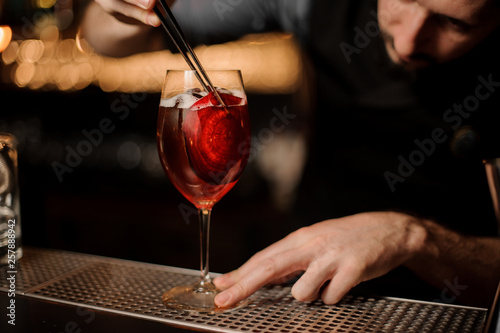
222 299
144 3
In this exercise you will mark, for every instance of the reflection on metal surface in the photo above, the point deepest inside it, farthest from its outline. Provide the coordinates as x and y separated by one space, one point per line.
135 289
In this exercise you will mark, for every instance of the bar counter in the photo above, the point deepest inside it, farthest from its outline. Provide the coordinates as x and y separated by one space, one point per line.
58 291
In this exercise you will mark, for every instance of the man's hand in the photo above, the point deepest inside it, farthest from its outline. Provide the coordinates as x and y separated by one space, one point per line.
132 11
336 255
119 28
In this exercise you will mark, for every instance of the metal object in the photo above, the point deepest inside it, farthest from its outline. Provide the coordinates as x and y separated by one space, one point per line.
135 289
10 219
493 321
492 167
173 29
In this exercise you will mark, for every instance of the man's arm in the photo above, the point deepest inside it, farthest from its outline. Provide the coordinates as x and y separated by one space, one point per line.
465 267
123 27
336 255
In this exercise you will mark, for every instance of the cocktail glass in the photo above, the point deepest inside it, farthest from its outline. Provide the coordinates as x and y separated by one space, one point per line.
203 148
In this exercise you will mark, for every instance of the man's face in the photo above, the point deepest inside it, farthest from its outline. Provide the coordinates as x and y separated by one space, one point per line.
420 33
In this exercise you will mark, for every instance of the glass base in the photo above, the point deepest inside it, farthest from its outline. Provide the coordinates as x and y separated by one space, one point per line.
195 298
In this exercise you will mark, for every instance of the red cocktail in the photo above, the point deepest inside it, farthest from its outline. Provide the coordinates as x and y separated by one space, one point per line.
203 147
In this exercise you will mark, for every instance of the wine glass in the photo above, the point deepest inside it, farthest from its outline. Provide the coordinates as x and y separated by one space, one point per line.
203 148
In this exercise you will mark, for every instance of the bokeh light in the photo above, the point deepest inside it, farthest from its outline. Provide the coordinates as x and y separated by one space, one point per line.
270 64
24 73
10 53
30 51
46 3
5 37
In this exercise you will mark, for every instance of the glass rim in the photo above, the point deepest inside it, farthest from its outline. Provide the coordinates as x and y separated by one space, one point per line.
206 70
229 78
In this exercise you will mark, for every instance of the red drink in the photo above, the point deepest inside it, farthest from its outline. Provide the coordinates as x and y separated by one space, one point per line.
203 147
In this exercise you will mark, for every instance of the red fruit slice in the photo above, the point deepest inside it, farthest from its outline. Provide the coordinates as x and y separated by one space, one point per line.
211 100
214 137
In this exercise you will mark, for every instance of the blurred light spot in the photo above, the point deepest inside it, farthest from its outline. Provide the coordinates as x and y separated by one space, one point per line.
24 74
270 64
38 79
151 162
66 50
49 34
67 77
86 73
48 72
5 37
129 155
30 51
10 53
82 44
64 18
45 3
111 77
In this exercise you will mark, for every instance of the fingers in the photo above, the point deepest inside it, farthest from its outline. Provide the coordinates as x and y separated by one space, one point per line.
335 254
269 269
225 281
144 4
341 283
286 278
276 263
330 282
307 288
333 284
129 11
229 279
331 269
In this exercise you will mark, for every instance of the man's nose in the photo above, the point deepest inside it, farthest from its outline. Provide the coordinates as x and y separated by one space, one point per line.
413 32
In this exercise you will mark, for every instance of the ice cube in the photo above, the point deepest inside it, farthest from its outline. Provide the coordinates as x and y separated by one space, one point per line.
184 100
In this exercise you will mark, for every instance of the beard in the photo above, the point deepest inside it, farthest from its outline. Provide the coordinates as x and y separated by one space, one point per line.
415 62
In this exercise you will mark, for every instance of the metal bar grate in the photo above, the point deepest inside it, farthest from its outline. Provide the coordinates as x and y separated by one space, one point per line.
135 289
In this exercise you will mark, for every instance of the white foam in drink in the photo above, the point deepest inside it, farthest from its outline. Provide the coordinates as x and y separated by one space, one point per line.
187 99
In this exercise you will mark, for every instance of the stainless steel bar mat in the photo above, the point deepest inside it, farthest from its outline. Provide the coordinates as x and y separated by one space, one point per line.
135 289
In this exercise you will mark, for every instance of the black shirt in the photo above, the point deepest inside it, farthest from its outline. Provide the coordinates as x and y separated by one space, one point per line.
390 140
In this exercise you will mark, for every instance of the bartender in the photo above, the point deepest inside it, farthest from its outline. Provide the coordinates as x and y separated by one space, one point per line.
407 107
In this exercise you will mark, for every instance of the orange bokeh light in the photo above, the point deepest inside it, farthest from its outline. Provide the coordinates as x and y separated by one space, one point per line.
270 63
5 37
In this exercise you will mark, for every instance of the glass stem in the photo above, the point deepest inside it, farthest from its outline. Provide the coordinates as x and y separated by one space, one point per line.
204 215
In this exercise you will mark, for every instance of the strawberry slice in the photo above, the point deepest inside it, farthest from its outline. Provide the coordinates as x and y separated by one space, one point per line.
211 100
214 137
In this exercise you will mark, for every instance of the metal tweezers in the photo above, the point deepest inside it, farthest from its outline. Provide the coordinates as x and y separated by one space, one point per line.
173 29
